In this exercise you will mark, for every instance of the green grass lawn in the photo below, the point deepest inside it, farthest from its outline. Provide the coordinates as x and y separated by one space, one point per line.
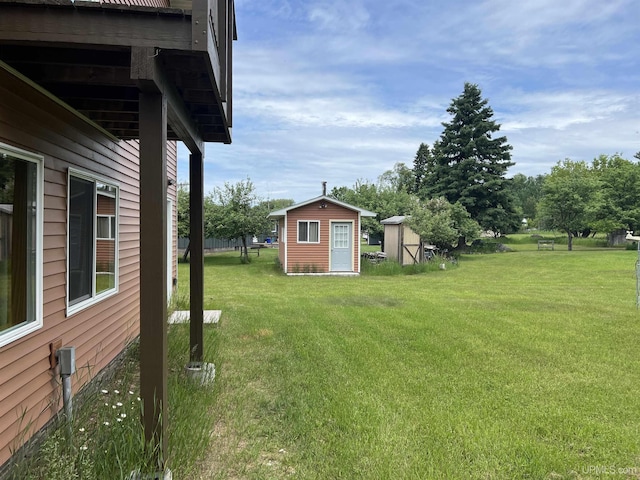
515 365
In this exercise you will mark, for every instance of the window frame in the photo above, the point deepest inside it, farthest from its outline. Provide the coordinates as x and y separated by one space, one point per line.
95 297
18 331
307 230
113 229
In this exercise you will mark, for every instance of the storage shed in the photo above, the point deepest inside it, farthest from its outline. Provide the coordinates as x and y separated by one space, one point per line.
320 236
401 243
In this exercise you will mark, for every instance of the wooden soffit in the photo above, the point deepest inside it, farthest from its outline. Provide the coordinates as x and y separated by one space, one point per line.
95 57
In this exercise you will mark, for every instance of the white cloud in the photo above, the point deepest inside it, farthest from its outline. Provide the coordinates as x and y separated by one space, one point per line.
561 110
340 91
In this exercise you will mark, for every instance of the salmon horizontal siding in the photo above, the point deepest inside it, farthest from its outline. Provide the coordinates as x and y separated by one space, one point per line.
303 257
29 120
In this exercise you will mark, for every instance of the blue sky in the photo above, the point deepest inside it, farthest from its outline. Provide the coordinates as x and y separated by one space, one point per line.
340 90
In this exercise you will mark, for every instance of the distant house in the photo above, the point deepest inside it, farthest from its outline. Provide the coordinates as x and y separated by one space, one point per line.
401 243
320 236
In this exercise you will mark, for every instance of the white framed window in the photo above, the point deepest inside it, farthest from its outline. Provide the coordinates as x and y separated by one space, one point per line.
308 231
92 240
21 239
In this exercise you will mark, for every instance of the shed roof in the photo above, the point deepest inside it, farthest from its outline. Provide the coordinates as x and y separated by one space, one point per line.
395 220
283 211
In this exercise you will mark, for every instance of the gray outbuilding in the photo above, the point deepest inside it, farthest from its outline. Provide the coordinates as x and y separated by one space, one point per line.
401 243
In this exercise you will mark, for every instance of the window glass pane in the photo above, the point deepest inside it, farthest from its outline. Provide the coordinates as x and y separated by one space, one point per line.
81 215
313 232
302 231
341 236
18 241
105 265
92 252
103 227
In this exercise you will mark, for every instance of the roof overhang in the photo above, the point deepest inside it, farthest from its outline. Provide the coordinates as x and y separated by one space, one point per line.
323 198
97 57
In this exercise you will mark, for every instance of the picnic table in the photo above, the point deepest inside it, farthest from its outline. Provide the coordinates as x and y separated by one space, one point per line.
256 247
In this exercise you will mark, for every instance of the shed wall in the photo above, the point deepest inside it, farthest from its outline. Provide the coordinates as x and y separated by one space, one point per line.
392 242
29 392
303 257
410 247
282 242
402 244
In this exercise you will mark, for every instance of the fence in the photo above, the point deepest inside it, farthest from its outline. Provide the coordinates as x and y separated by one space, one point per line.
220 243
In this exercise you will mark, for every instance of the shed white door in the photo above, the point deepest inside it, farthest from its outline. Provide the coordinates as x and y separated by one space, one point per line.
341 247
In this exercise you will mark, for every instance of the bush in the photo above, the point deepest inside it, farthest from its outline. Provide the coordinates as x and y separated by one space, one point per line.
487 246
390 268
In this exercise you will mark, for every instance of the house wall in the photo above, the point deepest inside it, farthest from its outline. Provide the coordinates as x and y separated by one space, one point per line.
172 194
300 255
29 390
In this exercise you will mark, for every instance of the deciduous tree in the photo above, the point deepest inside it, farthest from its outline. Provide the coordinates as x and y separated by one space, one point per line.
620 206
441 223
385 199
571 197
240 213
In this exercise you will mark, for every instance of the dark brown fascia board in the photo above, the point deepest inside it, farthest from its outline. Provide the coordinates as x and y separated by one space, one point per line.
99 24
147 71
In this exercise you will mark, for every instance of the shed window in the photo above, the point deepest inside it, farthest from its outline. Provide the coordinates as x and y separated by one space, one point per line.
20 243
308 231
92 240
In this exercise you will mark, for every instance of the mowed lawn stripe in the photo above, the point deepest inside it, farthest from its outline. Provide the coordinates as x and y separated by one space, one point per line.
515 365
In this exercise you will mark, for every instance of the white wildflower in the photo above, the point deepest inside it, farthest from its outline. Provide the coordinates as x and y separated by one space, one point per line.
84 447
119 404
104 391
116 391
123 415
106 423
81 429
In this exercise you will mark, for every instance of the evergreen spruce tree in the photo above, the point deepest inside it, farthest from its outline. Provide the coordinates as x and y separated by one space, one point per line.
470 165
422 168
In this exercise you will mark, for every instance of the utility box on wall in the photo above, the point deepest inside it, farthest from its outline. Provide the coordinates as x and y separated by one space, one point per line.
67 360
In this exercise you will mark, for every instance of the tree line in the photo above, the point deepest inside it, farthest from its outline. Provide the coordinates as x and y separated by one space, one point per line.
457 188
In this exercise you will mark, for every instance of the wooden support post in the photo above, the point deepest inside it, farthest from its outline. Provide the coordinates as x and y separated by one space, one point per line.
153 269
196 266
